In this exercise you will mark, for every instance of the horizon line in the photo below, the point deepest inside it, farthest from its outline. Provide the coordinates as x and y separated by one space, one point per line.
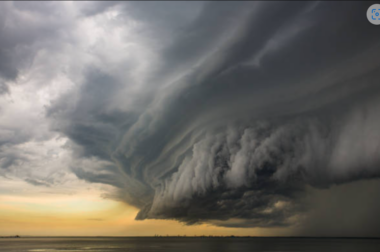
196 236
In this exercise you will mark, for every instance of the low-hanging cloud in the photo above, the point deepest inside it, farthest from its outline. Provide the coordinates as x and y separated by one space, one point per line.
231 114
263 105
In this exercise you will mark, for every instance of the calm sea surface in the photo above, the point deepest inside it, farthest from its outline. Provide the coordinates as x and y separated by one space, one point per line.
188 244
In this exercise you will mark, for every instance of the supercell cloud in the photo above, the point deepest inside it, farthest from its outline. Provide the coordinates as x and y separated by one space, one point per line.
218 112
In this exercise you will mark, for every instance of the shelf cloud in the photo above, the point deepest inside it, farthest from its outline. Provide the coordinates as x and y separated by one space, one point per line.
227 113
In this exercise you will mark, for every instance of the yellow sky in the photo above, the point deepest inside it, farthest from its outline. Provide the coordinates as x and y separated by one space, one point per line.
33 211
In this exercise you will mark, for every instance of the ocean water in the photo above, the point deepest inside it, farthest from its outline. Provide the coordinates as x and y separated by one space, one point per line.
167 244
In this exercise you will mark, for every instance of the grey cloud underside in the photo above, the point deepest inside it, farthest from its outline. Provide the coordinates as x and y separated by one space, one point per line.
253 103
25 29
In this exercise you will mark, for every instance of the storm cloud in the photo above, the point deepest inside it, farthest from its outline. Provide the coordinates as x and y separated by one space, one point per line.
218 112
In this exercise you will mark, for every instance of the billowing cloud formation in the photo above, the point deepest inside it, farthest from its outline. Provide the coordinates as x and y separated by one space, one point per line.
222 111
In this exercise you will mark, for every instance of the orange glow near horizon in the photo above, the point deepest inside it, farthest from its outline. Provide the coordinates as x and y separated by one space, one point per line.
88 214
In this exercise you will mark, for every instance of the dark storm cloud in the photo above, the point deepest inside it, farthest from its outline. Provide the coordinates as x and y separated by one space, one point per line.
253 103
25 28
91 125
28 32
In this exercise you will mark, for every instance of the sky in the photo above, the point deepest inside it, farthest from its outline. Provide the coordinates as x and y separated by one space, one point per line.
189 118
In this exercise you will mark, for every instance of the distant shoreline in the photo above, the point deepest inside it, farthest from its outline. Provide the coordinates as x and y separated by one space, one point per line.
198 237
14 236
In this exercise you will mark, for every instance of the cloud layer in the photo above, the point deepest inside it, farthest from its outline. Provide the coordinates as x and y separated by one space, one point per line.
220 112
